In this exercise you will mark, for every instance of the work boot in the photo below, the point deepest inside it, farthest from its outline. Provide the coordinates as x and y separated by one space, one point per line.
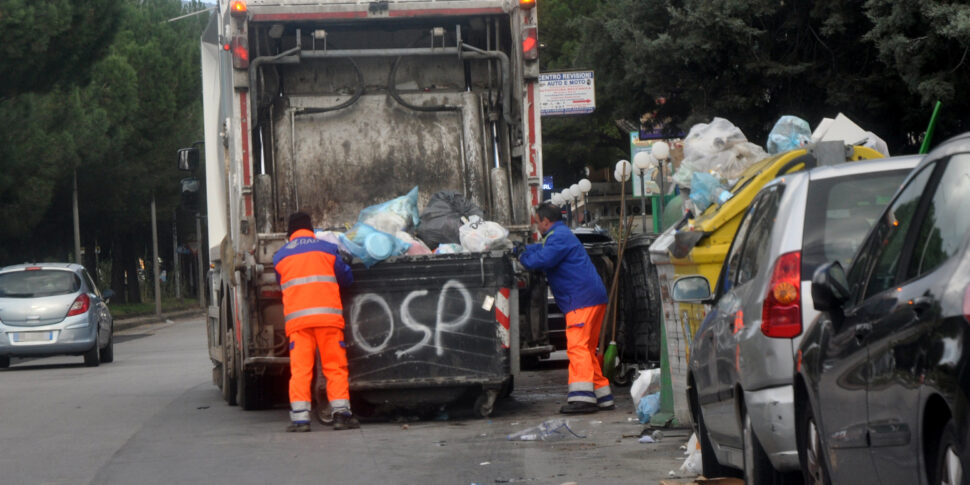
608 407
345 420
298 427
579 407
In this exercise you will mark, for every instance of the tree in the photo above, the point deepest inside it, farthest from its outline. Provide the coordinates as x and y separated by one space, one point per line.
48 42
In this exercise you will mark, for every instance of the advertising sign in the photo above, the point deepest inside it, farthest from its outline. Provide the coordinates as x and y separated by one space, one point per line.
567 93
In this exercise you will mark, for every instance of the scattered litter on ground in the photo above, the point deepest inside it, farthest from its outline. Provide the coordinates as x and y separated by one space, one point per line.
484 463
404 426
549 430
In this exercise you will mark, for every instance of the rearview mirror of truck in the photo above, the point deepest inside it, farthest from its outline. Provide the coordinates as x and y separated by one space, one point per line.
188 159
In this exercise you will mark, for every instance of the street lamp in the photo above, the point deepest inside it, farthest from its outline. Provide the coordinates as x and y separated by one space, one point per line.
661 151
585 186
643 162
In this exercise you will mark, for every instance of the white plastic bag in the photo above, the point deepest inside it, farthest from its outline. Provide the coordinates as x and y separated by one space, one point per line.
478 236
692 465
647 382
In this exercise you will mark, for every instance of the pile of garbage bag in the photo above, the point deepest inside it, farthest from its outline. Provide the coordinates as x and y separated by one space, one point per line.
718 148
449 224
716 154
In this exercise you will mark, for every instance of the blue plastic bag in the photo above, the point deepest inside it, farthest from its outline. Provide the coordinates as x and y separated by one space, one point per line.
706 189
789 133
393 216
371 245
648 406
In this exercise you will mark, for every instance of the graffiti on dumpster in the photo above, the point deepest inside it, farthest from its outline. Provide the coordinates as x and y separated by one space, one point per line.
441 323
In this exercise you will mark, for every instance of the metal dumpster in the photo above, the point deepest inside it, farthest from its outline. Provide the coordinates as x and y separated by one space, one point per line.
426 331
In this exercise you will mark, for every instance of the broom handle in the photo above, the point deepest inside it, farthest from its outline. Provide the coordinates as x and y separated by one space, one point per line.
616 275
610 303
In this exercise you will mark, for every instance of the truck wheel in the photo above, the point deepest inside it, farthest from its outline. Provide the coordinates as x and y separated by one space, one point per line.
250 391
228 366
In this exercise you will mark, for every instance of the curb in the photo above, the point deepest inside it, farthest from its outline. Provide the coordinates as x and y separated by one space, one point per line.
131 322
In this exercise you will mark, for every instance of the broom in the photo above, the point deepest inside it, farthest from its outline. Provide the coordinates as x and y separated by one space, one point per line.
609 356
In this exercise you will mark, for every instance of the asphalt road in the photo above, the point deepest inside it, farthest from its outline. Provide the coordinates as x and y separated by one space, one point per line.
154 417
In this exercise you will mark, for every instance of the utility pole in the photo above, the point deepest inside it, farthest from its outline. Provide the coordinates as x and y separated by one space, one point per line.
158 283
77 225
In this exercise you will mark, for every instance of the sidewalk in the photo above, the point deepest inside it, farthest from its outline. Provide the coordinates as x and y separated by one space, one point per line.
125 323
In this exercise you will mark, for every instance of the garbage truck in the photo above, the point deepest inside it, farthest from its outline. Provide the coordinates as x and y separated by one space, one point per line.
332 106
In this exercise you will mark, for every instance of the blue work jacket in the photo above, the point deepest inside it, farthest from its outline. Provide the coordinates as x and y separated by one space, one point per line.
572 276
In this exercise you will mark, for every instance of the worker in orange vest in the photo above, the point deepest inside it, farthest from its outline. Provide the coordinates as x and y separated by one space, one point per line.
311 273
581 296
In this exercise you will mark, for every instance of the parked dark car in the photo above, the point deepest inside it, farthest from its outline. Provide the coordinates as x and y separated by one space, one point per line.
882 379
53 309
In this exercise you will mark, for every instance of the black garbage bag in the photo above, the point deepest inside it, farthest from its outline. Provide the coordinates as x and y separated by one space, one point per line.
441 218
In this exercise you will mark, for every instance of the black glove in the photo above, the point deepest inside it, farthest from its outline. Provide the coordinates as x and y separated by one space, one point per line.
518 248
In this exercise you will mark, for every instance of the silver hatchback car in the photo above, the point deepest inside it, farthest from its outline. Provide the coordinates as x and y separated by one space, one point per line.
741 362
53 309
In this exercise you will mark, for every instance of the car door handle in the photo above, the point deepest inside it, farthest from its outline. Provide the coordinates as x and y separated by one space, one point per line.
862 331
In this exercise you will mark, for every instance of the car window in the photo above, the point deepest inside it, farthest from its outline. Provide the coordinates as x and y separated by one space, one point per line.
839 213
734 255
38 283
947 218
754 255
893 229
90 282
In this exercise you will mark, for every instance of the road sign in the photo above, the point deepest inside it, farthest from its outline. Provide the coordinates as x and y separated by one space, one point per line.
567 93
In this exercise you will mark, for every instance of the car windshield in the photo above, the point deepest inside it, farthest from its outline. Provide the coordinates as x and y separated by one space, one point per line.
839 214
37 283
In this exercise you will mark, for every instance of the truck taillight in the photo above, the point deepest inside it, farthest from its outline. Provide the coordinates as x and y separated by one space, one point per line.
781 314
237 8
80 305
527 4
240 53
530 43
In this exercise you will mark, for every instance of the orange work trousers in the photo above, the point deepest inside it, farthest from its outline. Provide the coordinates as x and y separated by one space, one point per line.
586 381
333 356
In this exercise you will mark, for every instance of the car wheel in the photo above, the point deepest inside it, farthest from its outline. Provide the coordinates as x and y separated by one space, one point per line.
758 469
950 460
4 361
92 357
811 454
108 352
709 464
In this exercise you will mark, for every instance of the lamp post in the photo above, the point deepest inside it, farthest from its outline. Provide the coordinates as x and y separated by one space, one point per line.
585 186
577 195
642 161
661 151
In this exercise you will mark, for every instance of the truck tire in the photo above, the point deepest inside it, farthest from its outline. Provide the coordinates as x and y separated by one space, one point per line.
228 366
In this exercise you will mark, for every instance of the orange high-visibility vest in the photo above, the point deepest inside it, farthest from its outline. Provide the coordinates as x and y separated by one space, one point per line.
310 273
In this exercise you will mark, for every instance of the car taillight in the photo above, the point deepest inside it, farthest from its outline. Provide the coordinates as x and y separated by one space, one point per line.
530 43
781 315
80 305
240 53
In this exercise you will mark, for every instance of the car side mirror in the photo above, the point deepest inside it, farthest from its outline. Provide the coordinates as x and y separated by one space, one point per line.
188 159
692 289
107 295
830 288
